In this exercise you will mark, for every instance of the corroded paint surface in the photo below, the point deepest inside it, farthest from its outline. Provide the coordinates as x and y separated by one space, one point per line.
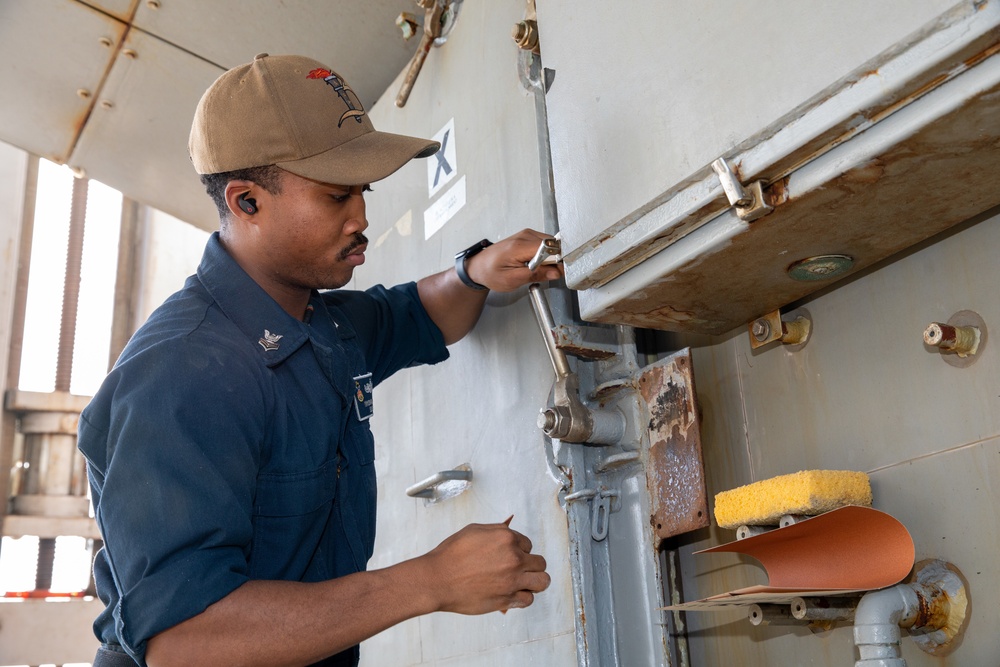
571 341
675 473
934 179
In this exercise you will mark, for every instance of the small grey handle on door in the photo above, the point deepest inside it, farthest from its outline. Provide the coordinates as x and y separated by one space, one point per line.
430 487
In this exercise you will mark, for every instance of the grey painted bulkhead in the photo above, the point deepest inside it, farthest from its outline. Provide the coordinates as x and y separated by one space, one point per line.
479 407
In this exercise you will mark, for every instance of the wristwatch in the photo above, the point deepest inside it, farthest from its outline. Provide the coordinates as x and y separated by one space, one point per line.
460 259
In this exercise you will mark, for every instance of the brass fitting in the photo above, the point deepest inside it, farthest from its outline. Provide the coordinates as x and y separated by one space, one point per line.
525 35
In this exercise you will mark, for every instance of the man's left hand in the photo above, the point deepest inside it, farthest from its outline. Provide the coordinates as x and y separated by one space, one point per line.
503 267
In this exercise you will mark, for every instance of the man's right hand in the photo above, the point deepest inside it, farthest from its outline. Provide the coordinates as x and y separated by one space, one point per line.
479 569
484 568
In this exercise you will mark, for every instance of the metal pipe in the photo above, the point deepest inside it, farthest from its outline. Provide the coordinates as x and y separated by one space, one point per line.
67 338
961 340
71 285
791 520
770 614
46 560
877 622
131 238
745 531
608 427
827 609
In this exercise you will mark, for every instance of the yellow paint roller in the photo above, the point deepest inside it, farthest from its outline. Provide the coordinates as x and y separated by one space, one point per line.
807 492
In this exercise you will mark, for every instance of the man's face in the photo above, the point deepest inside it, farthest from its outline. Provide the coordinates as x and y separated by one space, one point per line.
311 233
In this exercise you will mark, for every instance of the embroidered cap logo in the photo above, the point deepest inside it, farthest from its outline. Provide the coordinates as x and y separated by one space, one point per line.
342 90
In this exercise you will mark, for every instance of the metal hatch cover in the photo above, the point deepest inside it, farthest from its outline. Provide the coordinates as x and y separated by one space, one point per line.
897 184
898 151
675 473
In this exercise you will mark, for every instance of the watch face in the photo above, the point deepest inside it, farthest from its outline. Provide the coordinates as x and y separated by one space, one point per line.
473 249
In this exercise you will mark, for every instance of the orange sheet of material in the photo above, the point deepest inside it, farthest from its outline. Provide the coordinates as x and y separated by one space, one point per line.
847 550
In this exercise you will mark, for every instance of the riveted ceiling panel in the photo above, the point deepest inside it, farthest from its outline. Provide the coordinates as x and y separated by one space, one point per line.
120 9
136 138
50 49
53 61
358 39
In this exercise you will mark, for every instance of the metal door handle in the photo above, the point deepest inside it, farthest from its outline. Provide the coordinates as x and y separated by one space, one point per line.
431 488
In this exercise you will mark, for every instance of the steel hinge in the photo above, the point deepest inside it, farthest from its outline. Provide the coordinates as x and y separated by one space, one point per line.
749 200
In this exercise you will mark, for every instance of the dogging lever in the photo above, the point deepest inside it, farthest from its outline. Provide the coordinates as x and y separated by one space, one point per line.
549 252
568 419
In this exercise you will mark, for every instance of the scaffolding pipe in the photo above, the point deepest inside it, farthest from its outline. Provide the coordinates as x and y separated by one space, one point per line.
67 338
71 286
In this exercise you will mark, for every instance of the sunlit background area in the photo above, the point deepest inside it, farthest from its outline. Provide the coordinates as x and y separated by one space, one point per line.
47 277
178 248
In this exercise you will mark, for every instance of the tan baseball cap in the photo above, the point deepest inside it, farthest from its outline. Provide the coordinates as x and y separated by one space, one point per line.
295 113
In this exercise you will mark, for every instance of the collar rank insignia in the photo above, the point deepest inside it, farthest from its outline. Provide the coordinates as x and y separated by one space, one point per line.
270 341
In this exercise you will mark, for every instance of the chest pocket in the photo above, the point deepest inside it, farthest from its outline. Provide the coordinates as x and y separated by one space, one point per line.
291 514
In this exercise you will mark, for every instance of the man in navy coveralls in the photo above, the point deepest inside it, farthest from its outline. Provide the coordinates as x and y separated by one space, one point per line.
229 450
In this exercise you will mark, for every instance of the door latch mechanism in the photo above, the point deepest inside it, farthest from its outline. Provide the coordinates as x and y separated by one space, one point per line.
749 201
568 419
439 18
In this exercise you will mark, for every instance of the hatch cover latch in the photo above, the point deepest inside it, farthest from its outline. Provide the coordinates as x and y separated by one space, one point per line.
749 201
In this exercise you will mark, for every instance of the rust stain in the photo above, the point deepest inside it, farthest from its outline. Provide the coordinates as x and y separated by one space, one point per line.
869 173
121 26
675 474
571 346
777 193
980 57
876 115
607 391
585 352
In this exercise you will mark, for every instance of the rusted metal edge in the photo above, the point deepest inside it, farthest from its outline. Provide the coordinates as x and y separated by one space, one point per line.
946 47
675 472
125 28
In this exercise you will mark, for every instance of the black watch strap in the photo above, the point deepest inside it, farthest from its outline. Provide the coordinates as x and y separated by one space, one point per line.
460 259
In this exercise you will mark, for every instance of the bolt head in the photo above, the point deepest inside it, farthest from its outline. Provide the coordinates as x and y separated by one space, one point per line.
761 329
547 420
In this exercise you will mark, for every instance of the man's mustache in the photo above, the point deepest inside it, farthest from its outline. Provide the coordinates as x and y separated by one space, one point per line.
359 240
